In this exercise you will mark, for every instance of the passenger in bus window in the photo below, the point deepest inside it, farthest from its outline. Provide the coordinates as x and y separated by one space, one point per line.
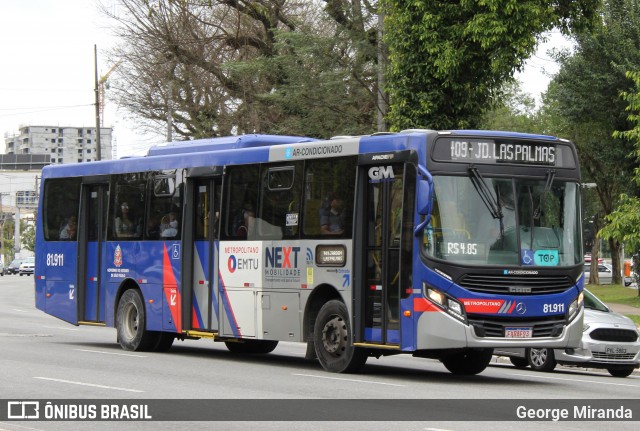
169 225
125 224
69 231
153 227
248 220
332 216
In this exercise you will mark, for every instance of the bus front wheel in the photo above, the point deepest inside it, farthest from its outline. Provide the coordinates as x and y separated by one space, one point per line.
468 362
131 324
333 340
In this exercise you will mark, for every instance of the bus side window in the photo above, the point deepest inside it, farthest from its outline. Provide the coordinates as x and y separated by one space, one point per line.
165 207
323 178
279 212
128 207
61 198
240 194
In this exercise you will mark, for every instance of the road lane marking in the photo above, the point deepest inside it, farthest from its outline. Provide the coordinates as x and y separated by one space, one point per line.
111 353
19 310
578 380
14 426
348 380
88 384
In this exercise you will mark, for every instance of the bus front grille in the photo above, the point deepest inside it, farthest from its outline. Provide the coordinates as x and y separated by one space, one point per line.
518 285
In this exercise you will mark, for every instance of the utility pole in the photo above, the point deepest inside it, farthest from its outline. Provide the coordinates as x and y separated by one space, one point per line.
169 112
2 218
97 91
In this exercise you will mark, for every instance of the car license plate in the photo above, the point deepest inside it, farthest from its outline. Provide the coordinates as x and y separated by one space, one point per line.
518 332
615 350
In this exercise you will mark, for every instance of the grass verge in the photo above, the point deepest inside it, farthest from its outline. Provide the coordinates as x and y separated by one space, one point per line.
618 294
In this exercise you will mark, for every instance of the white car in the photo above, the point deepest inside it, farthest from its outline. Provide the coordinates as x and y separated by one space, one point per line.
27 266
609 340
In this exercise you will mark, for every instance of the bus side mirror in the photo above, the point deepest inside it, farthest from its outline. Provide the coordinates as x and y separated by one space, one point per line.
424 197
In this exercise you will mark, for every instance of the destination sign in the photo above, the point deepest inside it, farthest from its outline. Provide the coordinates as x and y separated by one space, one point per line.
473 150
496 151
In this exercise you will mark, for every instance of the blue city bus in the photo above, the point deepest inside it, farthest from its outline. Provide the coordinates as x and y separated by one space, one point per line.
439 244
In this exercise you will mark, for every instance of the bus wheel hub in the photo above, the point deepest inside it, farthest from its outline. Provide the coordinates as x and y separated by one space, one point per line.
334 336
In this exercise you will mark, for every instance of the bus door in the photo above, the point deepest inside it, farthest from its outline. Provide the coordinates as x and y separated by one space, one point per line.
204 207
380 289
91 235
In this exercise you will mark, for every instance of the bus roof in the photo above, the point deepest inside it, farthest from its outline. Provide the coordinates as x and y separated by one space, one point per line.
501 133
225 143
256 148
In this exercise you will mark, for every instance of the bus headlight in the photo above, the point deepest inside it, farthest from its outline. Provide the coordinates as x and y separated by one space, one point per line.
575 306
448 304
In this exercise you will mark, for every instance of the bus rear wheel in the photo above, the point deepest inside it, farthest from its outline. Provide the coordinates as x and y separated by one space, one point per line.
468 362
333 340
131 324
257 347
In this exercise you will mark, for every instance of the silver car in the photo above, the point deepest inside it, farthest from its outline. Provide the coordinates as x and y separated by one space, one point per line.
610 340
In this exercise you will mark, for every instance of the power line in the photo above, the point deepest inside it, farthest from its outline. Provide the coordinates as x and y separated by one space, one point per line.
43 109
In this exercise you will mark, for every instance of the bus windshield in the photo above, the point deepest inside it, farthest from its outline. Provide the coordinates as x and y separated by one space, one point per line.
497 221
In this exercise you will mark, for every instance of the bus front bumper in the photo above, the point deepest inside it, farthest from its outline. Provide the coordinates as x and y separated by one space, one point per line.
439 330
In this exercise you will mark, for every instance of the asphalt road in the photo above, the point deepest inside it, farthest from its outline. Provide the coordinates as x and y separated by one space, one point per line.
44 358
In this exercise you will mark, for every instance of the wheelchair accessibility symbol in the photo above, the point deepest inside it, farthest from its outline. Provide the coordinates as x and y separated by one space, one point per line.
526 257
175 251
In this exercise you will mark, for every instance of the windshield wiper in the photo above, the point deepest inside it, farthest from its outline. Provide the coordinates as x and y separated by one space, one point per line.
551 174
491 202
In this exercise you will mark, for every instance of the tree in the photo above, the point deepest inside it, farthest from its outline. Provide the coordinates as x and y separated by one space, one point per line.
585 94
28 236
514 111
449 59
624 222
229 66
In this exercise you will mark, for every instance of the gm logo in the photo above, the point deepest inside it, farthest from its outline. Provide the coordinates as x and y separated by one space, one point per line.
379 174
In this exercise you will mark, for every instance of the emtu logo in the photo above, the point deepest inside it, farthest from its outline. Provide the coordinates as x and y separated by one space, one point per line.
379 174
232 264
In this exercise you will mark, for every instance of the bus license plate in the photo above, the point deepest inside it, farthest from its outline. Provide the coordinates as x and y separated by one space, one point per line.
518 332
615 350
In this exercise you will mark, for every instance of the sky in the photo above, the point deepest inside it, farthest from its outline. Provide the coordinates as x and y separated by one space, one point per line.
47 69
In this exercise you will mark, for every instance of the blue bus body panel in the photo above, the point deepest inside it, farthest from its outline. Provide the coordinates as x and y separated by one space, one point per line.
55 277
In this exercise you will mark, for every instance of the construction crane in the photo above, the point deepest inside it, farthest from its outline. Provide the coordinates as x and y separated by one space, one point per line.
102 84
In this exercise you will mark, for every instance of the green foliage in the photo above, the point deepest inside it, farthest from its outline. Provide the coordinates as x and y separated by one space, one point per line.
448 60
319 89
515 112
28 237
624 221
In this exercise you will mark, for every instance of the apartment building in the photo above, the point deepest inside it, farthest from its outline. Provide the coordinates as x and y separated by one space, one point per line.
64 144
